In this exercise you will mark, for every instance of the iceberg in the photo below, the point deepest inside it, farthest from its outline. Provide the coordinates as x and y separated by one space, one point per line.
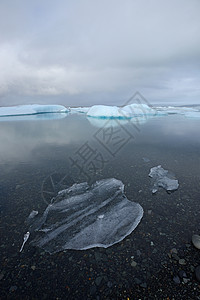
128 111
82 217
105 111
135 109
163 178
179 110
32 109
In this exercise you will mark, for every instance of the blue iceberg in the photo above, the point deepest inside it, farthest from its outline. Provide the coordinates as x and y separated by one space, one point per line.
33 109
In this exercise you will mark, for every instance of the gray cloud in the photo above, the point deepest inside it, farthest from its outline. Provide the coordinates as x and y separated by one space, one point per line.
99 51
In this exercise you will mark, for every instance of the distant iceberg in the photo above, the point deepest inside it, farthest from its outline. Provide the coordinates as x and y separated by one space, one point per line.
135 109
124 112
105 111
32 109
189 112
137 113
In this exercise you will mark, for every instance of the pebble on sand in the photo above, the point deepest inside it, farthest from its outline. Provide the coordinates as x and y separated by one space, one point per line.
196 240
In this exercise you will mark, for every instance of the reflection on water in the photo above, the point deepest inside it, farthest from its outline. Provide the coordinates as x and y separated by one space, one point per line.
34 155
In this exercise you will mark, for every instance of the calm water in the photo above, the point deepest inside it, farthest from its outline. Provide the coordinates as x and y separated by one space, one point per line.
39 158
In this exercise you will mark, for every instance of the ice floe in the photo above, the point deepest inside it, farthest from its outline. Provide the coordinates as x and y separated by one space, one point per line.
83 217
189 112
163 178
81 110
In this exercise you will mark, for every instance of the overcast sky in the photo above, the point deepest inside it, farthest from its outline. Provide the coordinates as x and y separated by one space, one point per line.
88 52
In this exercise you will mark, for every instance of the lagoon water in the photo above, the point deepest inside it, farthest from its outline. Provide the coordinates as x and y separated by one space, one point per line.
40 157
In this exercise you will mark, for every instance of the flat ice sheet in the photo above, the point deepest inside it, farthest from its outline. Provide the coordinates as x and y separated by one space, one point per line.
83 217
31 109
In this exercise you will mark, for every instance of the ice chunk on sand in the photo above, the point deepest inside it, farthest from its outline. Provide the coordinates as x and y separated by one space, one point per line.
31 110
163 178
84 217
26 237
31 216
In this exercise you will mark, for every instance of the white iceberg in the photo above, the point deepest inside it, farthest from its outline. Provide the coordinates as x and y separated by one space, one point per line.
135 109
32 109
128 111
179 110
105 111
163 178
83 217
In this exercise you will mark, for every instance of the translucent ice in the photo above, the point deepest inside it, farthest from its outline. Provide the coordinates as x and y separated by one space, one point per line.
83 217
32 109
26 237
32 215
162 178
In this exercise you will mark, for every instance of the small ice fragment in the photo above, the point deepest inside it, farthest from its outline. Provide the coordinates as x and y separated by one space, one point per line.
146 160
100 217
26 236
162 178
33 214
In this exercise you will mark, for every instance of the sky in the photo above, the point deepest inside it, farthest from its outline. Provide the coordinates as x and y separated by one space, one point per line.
81 53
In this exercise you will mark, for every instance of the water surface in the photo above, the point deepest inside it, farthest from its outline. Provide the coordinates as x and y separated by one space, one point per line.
38 158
